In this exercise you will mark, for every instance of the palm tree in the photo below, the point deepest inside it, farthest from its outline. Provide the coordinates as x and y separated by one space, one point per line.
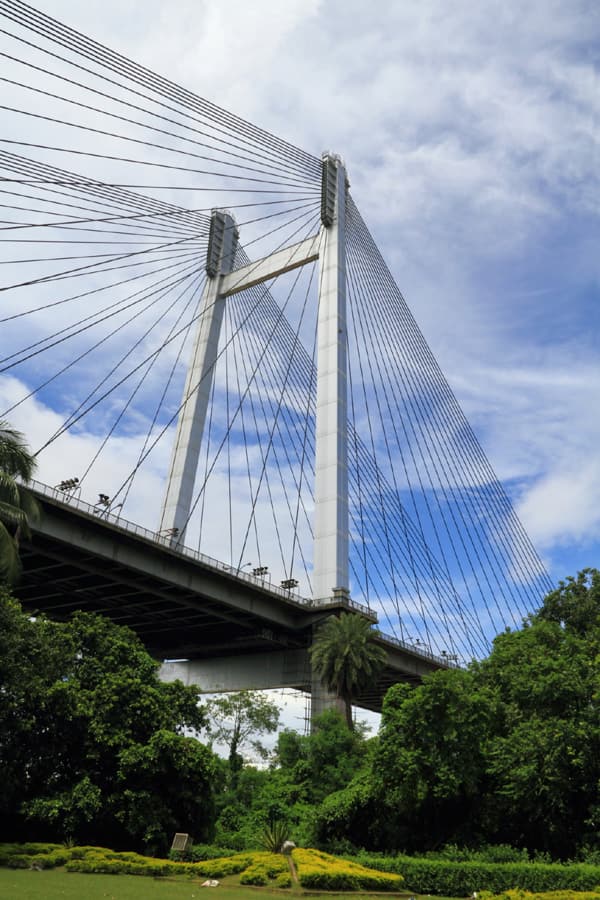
345 657
17 506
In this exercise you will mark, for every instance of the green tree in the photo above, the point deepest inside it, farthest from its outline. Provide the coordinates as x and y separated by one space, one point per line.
92 744
430 766
304 770
320 763
345 657
238 721
544 763
17 506
505 751
575 604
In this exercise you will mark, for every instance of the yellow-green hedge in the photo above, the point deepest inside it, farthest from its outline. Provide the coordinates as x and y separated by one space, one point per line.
323 872
316 870
102 862
517 894
267 868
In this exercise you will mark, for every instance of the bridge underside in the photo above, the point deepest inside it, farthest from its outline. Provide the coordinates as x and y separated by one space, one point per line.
277 669
181 608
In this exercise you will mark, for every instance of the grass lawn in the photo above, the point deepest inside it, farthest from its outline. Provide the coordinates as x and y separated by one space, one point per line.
56 884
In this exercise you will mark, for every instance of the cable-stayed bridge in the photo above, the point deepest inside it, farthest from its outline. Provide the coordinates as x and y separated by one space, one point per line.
200 335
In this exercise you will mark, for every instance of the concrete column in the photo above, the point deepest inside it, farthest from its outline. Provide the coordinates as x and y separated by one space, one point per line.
330 571
190 426
321 699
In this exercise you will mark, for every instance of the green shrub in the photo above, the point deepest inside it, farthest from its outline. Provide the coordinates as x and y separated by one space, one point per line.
33 855
208 851
111 864
549 895
229 865
283 881
265 867
492 853
430 876
19 862
320 871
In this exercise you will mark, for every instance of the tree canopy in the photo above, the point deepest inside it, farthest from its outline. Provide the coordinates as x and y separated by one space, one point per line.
92 744
505 751
239 720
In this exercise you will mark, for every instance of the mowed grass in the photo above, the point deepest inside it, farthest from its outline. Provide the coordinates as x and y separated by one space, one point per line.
56 884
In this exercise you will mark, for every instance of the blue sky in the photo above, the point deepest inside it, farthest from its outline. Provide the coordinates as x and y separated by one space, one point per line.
470 133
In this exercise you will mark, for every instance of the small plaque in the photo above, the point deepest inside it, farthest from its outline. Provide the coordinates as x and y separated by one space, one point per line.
182 842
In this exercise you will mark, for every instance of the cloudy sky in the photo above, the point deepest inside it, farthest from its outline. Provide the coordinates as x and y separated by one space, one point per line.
470 132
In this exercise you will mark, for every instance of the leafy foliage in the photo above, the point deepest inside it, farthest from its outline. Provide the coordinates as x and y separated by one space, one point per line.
273 836
321 871
238 720
17 506
90 740
316 869
459 879
305 770
506 751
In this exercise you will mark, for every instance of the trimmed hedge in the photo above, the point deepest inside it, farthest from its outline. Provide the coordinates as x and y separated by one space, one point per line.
266 867
108 862
201 852
457 879
33 856
323 872
550 895
320 871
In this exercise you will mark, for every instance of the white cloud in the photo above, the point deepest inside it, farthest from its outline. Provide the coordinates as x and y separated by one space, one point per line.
562 507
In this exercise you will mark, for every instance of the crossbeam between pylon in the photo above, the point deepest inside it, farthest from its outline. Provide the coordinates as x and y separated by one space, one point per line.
278 263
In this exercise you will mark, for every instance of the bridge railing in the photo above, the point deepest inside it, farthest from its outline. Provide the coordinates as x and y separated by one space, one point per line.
288 594
446 660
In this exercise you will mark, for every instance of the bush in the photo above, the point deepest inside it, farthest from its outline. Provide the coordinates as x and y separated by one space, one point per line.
266 867
550 895
27 856
201 852
323 872
430 876
219 868
108 862
492 853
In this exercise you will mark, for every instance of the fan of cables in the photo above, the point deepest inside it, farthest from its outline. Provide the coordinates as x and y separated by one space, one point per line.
108 175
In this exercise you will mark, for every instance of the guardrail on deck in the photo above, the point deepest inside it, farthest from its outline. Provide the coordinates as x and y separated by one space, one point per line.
289 595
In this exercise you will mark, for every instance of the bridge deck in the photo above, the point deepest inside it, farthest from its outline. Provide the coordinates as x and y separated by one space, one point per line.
183 605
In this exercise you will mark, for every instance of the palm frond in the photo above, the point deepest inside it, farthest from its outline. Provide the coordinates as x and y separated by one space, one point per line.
9 489
15 457
12 515
29 505
10 564
345 656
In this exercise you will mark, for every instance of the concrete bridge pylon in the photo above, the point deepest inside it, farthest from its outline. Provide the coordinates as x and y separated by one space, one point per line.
331 518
